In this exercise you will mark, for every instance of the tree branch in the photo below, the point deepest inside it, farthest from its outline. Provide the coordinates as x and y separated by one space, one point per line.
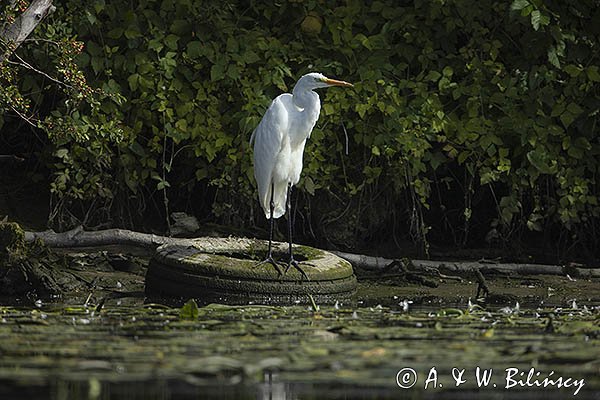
25 117
11 157
25 64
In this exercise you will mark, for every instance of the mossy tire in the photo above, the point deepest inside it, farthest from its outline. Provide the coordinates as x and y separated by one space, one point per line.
229 268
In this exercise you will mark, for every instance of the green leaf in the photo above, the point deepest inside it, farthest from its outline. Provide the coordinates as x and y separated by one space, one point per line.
535 19
462 156
544 20
217 72
328 109
309 185
137 149
181 125
180 27
534 225
189 311
93 49
97 64
155 45
201 173
115 33
538 19
194 49
583 143
574 109
518 5
572 70
162 184
133 81
433 76
232 45
364 41
541 161
61 153
171 41
558 109
527 10
250 57
553 57
567 118
132 32
592 73
447 71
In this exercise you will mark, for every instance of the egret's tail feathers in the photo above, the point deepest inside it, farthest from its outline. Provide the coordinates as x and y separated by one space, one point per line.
278 212
279 199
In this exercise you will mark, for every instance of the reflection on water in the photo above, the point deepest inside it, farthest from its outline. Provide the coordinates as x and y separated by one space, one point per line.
272 388
269 390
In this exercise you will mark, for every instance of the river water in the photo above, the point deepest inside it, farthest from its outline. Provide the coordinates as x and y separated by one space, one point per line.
133 349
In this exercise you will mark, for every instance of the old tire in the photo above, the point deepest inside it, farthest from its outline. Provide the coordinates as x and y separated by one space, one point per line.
225 269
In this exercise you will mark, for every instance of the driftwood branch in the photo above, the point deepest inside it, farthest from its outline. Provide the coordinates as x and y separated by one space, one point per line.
454 267
12 35
80 238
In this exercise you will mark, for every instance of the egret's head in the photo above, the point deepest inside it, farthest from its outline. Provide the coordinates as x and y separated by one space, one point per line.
316 80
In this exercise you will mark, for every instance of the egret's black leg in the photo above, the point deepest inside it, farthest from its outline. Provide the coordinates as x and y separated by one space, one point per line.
288 210
270 258
271 222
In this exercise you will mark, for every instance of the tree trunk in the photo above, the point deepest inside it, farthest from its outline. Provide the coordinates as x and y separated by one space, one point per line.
12 35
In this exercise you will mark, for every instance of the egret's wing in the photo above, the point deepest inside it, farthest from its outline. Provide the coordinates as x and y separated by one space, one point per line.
268 140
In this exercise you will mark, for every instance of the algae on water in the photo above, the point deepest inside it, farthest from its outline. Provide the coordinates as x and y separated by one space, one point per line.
335 347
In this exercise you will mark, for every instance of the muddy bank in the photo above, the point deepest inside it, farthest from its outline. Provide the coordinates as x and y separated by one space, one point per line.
89 275
76 275
116 266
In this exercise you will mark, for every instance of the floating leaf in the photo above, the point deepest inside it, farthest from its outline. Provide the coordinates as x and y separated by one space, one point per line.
189 311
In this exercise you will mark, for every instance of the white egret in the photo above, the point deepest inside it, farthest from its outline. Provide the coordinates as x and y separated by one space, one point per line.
279 141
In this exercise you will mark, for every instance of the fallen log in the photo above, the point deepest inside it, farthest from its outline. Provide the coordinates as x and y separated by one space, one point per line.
457 267
79 238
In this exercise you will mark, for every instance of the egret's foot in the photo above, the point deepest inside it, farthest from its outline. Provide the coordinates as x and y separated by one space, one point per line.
296 264
271 261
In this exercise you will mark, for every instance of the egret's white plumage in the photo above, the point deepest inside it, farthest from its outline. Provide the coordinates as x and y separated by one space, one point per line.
280 137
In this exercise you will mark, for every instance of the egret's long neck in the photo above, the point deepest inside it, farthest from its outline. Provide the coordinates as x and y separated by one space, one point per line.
309 107
305 98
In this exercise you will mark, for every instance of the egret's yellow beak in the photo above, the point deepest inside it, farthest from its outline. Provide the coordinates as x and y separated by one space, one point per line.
333 82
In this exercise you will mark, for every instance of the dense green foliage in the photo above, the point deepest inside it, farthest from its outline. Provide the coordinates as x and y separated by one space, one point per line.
468 118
